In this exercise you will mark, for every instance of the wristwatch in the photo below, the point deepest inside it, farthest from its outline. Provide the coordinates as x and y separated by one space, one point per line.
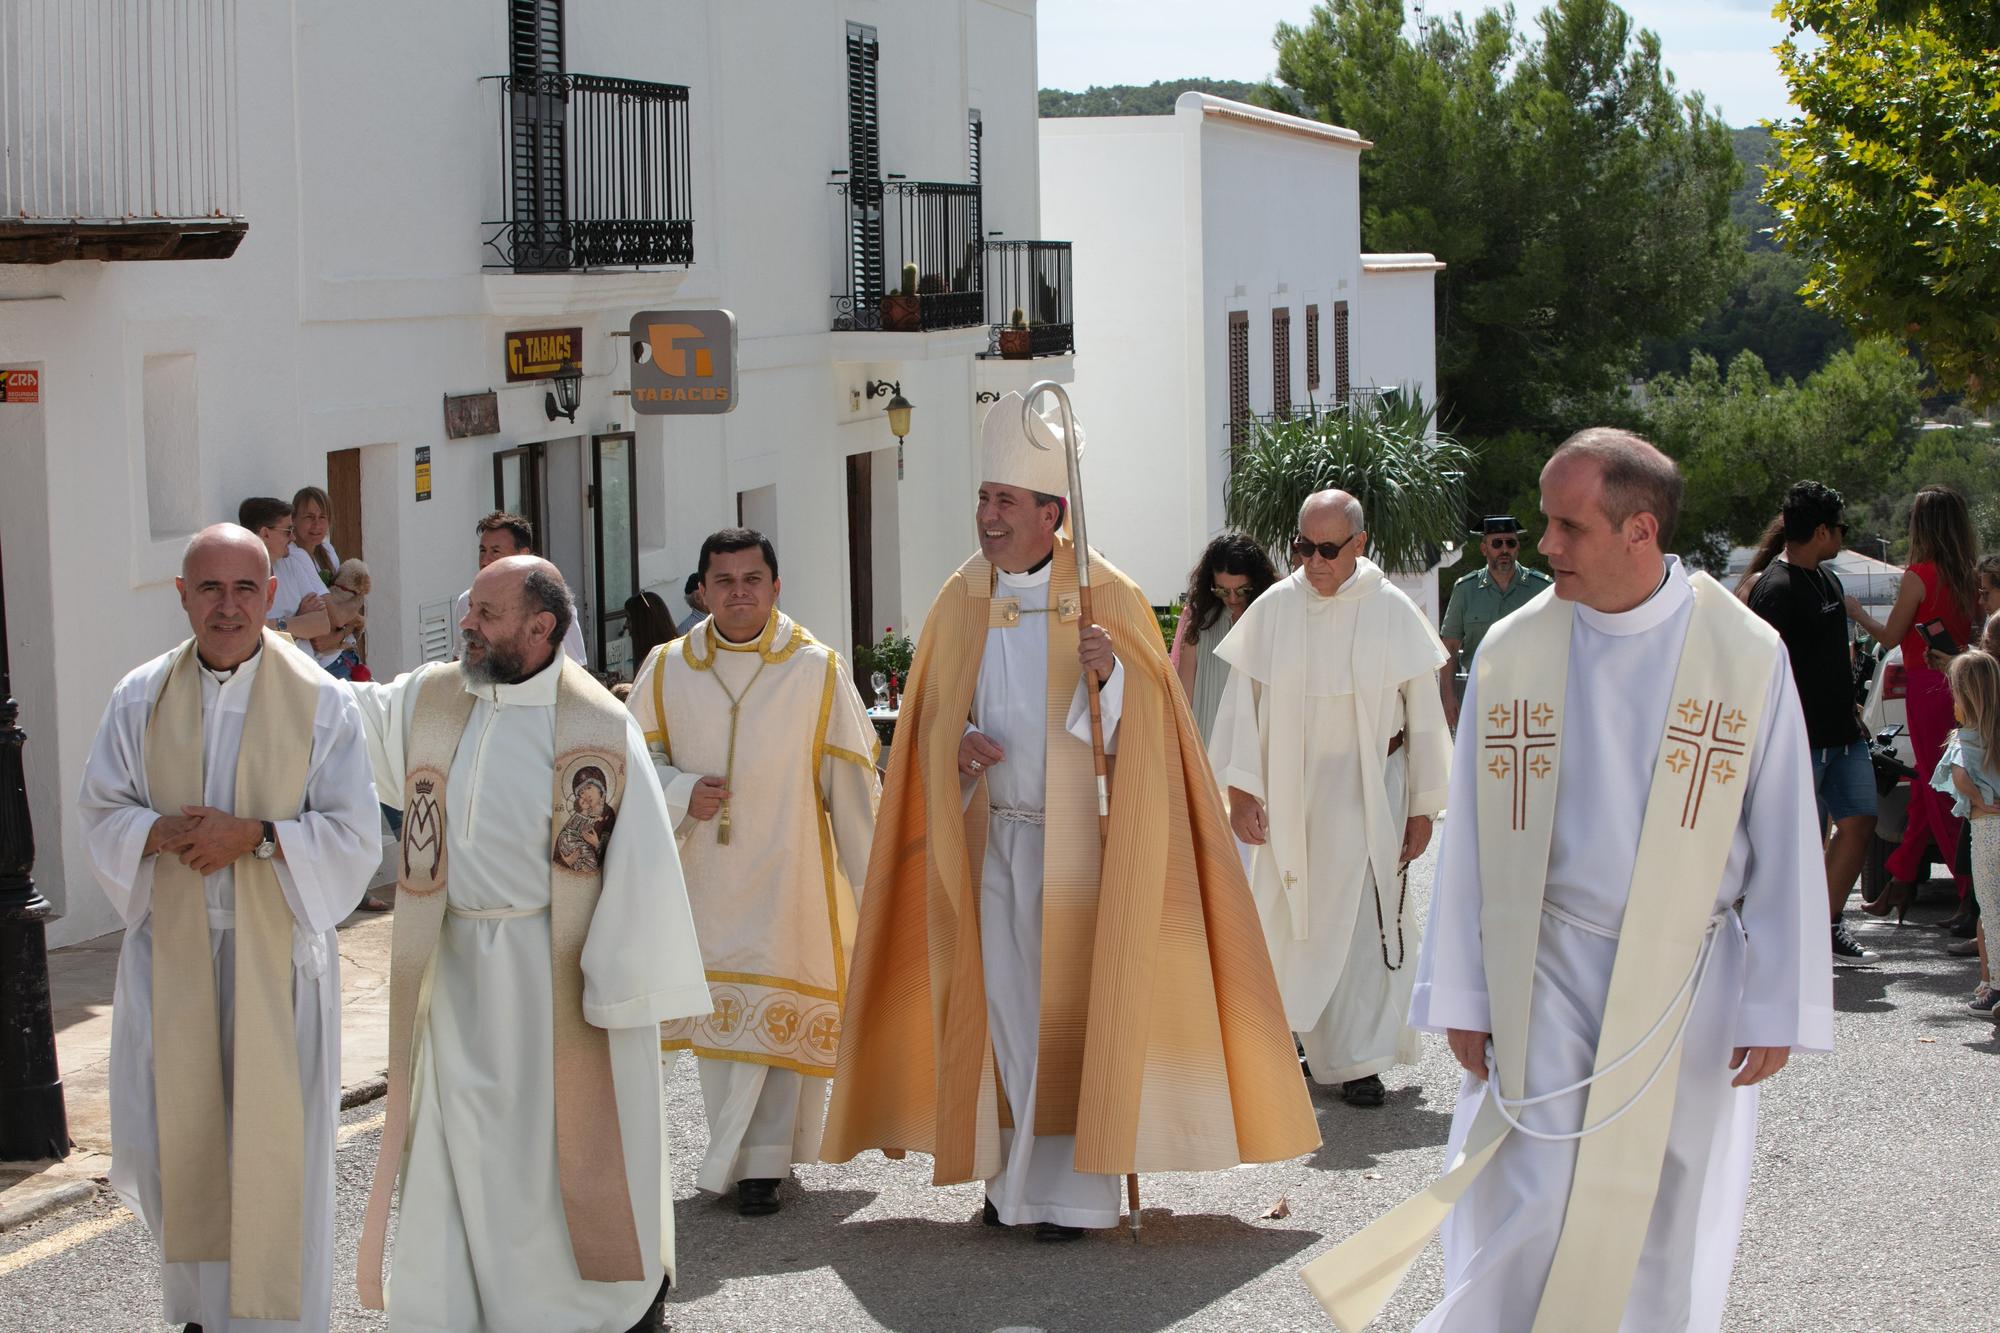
268 848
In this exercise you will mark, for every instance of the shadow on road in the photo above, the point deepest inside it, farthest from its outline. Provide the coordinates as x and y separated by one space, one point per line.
1353 1138
963 1277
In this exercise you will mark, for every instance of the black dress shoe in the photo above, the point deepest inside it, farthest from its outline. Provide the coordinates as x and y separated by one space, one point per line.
1364 1091
990 1215
1056 1232
757 1198
655 1317
190 1328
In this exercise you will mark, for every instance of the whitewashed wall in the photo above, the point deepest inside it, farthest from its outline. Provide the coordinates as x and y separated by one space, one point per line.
371 154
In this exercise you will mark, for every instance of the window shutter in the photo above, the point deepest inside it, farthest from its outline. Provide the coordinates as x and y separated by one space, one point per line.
434 631
864 167
1312 348
1342 386
1281 362
1239 378
540 110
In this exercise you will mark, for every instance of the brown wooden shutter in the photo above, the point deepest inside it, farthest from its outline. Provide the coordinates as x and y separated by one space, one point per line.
1342 385
1281 362
1312 348
1239 378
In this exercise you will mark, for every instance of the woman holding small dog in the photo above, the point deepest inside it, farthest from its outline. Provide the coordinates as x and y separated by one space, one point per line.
312 520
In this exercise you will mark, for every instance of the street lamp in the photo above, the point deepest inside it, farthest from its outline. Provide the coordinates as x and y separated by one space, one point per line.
562 400
32 1122
898 412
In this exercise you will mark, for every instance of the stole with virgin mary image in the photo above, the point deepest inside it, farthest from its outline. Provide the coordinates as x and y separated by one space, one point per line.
589 816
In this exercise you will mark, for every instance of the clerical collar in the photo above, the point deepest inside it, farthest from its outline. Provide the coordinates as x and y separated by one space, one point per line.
761 643
537 691
223 675
1673 593
1034 576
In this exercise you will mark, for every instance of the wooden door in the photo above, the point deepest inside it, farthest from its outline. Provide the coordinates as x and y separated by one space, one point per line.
343 493
860 551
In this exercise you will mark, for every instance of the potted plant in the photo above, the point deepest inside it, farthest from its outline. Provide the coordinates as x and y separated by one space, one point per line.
902 311
1016 342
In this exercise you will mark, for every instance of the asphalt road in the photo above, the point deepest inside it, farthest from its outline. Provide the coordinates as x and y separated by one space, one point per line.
1871 1208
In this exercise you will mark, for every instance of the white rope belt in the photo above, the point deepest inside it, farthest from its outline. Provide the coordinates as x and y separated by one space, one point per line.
493 913
1690 991
1014 815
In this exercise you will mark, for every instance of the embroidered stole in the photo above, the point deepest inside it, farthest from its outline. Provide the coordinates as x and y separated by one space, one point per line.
1692 808
590 1155
232 1180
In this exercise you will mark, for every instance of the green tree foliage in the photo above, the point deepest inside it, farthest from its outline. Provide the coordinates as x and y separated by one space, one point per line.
1579 202
1741 437
1888 183
1765 314
1127 99
1386 454
1967 459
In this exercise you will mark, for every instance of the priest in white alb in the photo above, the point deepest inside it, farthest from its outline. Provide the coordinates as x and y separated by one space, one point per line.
1627 934
227 810
542 935
1332 745
1028 1006
768 761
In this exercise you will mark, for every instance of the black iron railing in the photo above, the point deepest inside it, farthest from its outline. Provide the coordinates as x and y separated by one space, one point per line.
596 174
1368 399
886 224
1032 277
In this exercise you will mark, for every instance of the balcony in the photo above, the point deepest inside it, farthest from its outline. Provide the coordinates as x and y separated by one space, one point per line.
1032 277
884 225
118 127
596 175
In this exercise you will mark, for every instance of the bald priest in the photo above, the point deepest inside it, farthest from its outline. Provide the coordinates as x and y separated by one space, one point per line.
1032 1008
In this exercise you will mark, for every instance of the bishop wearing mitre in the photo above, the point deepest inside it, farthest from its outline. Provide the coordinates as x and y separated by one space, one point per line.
768 761
542 935
1628 935
1032 1007
227 811
1333 748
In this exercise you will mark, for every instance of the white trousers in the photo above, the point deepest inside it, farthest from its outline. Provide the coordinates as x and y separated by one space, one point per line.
760 1120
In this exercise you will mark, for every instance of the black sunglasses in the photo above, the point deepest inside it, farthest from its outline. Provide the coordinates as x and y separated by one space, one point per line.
1504 543
1303 548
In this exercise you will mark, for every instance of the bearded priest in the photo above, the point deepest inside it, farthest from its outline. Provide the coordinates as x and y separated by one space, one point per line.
768 760
1027 1008
1628 934
1331 741
542 935
227 811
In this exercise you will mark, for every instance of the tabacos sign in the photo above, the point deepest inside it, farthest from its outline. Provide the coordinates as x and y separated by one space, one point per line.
683 362
536 354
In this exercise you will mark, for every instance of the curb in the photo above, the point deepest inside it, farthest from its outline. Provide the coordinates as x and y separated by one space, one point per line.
39 1202
361 1093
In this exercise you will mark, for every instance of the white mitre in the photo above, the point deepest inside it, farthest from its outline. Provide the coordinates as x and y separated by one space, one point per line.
1008 456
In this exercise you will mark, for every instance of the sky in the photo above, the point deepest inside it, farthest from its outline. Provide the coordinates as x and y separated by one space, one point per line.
1720 48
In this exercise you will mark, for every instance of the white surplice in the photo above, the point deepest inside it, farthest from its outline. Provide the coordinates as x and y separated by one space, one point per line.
1769 982
1369 660
330 852
481 1239
572 637
1039 1181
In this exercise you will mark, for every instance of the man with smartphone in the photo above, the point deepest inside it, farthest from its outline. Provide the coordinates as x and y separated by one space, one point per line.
1801 597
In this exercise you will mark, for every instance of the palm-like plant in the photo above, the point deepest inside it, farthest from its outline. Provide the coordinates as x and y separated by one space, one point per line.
1381 450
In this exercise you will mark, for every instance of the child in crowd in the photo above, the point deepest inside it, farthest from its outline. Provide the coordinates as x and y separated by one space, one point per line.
1969 773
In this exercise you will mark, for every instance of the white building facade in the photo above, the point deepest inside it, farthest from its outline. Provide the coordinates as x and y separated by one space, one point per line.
1226 280
398 192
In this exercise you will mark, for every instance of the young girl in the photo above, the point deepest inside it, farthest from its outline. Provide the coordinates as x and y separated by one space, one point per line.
1969 773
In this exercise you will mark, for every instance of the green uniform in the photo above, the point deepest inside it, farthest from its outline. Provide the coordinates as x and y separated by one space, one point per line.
1478 604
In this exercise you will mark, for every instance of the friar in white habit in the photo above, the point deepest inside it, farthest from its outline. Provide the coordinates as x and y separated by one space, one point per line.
542 935
768 761
227 811
1628 934
1333 747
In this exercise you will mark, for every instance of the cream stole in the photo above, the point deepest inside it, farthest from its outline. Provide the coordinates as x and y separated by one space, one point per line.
590 1154
232 1181
1690 822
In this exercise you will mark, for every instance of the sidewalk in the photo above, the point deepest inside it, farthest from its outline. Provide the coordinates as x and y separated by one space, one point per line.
81 978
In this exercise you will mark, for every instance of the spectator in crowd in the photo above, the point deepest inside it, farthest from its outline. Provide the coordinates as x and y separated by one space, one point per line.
697 600
1986 602
1232 573
649 624
1482 599
1968 774
1768 546
298 609
1801 597
312 550
500 535
1936 590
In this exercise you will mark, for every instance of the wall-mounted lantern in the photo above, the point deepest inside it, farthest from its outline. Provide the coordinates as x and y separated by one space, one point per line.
561 400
